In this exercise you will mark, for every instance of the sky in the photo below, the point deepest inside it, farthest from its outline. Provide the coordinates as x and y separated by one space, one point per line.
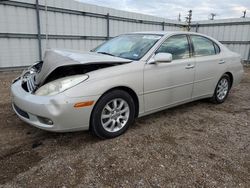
171 8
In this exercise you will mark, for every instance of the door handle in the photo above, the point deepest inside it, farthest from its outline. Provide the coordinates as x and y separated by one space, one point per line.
189 66
222 62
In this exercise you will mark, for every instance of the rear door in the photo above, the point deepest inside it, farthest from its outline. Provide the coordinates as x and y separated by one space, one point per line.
210 65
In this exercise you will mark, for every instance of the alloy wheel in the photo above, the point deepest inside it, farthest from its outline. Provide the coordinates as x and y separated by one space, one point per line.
115 115
222 89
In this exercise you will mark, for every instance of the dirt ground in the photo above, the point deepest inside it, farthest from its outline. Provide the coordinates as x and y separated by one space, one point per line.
194 145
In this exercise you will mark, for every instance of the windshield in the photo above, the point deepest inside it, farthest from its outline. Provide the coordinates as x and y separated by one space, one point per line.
131 46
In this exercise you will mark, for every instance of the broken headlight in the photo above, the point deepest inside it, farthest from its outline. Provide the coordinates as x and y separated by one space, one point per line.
60 85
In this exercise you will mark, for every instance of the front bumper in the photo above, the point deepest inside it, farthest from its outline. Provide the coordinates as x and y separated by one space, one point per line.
59 109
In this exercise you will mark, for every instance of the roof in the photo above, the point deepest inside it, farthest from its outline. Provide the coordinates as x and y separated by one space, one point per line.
165 32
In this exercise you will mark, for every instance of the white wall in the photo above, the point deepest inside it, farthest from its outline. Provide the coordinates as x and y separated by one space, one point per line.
234 33
22 51
16 51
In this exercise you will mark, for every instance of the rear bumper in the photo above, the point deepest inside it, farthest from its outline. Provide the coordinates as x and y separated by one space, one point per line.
59 109
238 75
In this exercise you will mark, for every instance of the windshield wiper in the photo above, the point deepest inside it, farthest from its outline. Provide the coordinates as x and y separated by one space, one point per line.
105 53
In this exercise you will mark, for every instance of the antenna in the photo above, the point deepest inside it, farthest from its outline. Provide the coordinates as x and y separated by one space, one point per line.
211 16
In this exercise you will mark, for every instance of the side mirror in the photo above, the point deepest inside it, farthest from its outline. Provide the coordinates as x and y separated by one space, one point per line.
161 58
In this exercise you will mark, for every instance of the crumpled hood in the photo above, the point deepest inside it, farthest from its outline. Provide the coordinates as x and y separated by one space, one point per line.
54 58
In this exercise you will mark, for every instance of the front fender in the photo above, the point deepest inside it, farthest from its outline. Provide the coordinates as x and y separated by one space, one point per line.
100 81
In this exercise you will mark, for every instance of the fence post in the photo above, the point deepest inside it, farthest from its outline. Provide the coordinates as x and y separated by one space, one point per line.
196 27
108 26
38 31
163 26
248 59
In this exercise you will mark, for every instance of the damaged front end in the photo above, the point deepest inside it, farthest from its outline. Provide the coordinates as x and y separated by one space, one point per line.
28 77
37 95
58 65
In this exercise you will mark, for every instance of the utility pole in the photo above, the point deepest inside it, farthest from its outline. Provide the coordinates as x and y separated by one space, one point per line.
188 20
179 17
244 14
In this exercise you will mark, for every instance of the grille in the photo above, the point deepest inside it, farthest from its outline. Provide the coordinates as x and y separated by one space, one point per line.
29 84
21 112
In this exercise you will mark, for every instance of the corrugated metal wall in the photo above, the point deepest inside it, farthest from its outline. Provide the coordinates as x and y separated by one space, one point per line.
234 33
73 25
68 23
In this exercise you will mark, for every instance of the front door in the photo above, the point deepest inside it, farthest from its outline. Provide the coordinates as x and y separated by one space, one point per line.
169 83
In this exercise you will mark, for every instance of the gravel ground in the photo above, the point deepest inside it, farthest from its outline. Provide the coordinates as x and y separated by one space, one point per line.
194 145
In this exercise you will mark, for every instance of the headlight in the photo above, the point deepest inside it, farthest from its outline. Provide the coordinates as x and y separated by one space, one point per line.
60 85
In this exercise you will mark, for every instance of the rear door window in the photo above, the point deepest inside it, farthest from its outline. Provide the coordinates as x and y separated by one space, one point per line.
204 46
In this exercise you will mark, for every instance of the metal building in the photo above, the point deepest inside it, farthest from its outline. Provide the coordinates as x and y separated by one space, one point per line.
28 27
68 23
234 33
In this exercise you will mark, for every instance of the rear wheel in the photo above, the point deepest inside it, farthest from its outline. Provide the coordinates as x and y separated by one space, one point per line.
113 114
222 89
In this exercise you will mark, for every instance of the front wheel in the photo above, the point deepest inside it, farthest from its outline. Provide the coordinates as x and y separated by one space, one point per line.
222 89
112 114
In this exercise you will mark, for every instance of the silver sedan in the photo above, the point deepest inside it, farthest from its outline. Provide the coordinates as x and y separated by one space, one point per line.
129 76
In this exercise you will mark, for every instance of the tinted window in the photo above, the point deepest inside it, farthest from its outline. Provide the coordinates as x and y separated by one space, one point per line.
177 46
203 46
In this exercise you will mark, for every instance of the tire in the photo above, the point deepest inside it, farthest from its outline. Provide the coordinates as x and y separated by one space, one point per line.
113 114
222 89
